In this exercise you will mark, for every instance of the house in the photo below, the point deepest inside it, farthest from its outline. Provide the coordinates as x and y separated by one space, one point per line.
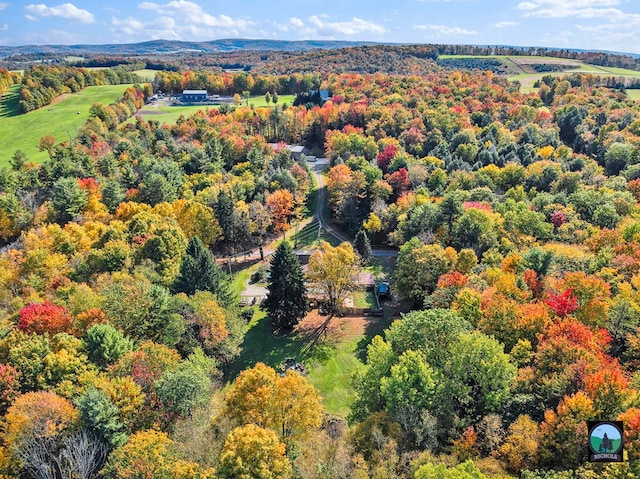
297 151
192 96
324 95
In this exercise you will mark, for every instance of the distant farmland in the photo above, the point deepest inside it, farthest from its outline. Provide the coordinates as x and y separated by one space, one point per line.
61 120
523 68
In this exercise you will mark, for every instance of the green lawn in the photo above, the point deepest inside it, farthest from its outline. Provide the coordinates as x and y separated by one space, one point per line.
170 114
61 120
330 365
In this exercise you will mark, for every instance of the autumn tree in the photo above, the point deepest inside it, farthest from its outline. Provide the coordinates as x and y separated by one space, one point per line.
520 448
287 404
419 267
44 318
563 433
253 452
280 205
148 455
333 270
9 386
286 300
34 428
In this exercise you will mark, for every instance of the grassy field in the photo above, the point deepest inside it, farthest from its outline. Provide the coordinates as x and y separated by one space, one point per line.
170 114
61 120
146 74
634 94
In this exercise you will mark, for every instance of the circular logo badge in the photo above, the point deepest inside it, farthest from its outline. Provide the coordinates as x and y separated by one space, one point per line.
606 438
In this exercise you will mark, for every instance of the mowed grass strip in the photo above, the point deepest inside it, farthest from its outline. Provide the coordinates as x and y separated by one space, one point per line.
61 120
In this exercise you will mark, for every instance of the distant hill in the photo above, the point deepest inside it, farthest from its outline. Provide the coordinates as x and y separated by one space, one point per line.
392 59
164 47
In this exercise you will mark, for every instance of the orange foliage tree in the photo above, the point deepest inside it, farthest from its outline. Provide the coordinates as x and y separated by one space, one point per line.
280 204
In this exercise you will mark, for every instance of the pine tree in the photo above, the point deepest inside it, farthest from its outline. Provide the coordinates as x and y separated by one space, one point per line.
200 272
363 245
286 301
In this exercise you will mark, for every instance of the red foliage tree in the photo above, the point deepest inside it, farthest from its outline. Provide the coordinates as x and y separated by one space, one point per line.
563 303
399 181
386 156
44 318
558 218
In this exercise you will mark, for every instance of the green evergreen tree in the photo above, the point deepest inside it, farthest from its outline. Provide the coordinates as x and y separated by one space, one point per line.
286 300
100 416
68 199
200 272
363 245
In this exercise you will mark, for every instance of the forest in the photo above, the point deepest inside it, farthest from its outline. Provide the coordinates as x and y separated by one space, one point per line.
516 224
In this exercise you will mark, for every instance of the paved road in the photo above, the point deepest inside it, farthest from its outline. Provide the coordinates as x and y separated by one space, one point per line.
321 215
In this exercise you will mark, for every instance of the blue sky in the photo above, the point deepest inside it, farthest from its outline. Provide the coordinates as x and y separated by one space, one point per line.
591 24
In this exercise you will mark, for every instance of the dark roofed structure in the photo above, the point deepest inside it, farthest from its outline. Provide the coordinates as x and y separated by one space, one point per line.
190 96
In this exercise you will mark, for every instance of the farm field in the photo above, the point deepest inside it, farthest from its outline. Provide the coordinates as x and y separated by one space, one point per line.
146 74
170 114
61 119
520 68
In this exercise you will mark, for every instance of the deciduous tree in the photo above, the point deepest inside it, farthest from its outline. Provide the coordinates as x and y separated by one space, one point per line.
333 271
253 452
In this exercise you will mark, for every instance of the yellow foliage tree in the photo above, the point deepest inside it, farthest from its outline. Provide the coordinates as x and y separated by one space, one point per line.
148 455
251 452
333 271
520 449
288 404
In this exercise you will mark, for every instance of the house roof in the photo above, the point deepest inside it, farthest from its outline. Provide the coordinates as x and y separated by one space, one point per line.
366 279
194 92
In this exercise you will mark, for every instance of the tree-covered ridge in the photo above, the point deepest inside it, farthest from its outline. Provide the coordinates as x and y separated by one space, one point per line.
515 218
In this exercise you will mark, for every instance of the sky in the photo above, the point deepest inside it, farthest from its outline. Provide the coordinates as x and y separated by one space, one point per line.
589 24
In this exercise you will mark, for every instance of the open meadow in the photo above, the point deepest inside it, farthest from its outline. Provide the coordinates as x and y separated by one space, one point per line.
61 119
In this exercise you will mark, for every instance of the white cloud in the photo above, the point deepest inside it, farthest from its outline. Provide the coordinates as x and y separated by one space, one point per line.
317 26
445 30
4 28
3 5
178 20
68 11
572 8
504 24
194 14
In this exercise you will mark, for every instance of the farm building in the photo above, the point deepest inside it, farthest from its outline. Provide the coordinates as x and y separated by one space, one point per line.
190 96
